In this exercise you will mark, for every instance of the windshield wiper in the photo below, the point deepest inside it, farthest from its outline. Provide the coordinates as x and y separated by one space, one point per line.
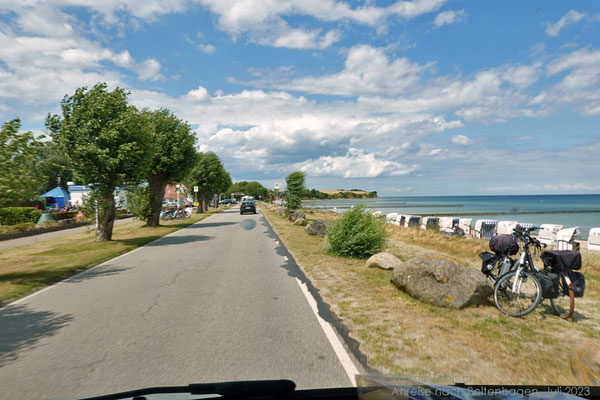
229 390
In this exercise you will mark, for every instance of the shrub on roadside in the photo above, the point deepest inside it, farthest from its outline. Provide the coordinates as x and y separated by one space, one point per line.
18 215
357 233
22 227
63 215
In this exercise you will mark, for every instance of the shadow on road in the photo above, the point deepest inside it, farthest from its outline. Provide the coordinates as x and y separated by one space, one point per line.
105 270
211 225
175 240
21 328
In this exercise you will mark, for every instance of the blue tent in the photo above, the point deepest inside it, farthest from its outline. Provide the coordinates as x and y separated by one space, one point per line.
57 197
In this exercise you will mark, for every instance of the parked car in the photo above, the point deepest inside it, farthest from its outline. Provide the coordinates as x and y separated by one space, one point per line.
226 201
248 206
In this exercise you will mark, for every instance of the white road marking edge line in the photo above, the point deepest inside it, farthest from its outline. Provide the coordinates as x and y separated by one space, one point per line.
22 299
334 341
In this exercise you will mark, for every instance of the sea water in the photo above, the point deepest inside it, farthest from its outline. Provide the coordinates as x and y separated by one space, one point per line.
515 208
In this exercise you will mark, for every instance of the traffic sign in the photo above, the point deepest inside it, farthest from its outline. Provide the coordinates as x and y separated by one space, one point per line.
196 189
277 186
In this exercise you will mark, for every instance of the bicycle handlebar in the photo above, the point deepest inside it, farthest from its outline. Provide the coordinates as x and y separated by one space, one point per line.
525 235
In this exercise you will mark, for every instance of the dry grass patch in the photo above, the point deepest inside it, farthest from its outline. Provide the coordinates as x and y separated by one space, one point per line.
26 268
400 335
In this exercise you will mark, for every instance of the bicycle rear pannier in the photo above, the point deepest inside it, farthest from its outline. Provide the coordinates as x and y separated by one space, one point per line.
487 262
578 283
559 260
505 245
549 282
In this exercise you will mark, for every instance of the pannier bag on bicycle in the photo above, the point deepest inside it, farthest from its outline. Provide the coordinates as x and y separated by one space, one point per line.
488 261
561 260
578 283
549 283
504 245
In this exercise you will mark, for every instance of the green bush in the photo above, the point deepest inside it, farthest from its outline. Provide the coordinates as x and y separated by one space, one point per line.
63 215
18 215
22 227
357 233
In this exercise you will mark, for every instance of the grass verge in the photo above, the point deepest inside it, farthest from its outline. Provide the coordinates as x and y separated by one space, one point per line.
27 268
477 345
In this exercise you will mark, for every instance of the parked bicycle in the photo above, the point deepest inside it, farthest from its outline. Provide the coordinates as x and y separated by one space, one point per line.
518 291
519 286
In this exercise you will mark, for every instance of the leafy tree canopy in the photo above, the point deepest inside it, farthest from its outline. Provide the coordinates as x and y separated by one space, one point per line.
18 152
295 189
209 175
107 141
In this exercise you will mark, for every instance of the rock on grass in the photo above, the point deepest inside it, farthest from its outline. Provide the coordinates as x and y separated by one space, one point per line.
442 281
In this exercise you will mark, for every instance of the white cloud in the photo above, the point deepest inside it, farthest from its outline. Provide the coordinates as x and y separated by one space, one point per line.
449 17
367 71
264 21
355 164
572 17
149 70
207 48
461 140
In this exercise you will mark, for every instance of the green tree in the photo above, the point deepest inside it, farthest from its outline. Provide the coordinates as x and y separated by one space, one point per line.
295 189
173 157
108 143
138 202
210 176
18 152
254 189
49 164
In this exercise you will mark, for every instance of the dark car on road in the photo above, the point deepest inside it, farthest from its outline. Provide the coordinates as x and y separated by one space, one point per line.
248 206
226 201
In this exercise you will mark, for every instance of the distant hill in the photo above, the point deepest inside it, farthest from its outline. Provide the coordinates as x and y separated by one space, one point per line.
334 192
324 194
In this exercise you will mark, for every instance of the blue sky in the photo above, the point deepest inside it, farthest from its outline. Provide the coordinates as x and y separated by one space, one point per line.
422 97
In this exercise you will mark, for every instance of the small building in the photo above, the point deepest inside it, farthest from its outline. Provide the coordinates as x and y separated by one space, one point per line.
78 193
57 197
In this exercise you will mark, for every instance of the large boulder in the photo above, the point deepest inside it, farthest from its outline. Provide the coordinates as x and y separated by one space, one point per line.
442 281
281 210
317 227
301 222
296 215
383 261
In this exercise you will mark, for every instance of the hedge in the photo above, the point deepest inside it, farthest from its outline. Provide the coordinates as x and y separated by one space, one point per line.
63 215
18 215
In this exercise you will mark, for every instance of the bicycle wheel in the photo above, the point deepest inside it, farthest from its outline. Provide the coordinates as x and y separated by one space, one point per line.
564 304
517 296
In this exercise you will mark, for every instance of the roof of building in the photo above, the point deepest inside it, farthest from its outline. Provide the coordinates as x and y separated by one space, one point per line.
57 192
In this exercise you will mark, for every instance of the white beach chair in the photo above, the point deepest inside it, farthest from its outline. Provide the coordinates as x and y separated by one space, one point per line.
445 224
412 221
485 228
429 223
594 240
391 217
398 219
547 234
401 218
565 238
506 227
465 225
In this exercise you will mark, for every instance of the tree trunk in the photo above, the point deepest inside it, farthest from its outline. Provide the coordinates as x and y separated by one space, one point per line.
157 191
205 200
106 217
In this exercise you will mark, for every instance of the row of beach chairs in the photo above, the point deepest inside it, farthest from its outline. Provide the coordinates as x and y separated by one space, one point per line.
550 234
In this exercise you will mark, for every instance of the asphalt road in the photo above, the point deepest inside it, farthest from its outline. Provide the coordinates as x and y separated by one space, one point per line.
216 301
